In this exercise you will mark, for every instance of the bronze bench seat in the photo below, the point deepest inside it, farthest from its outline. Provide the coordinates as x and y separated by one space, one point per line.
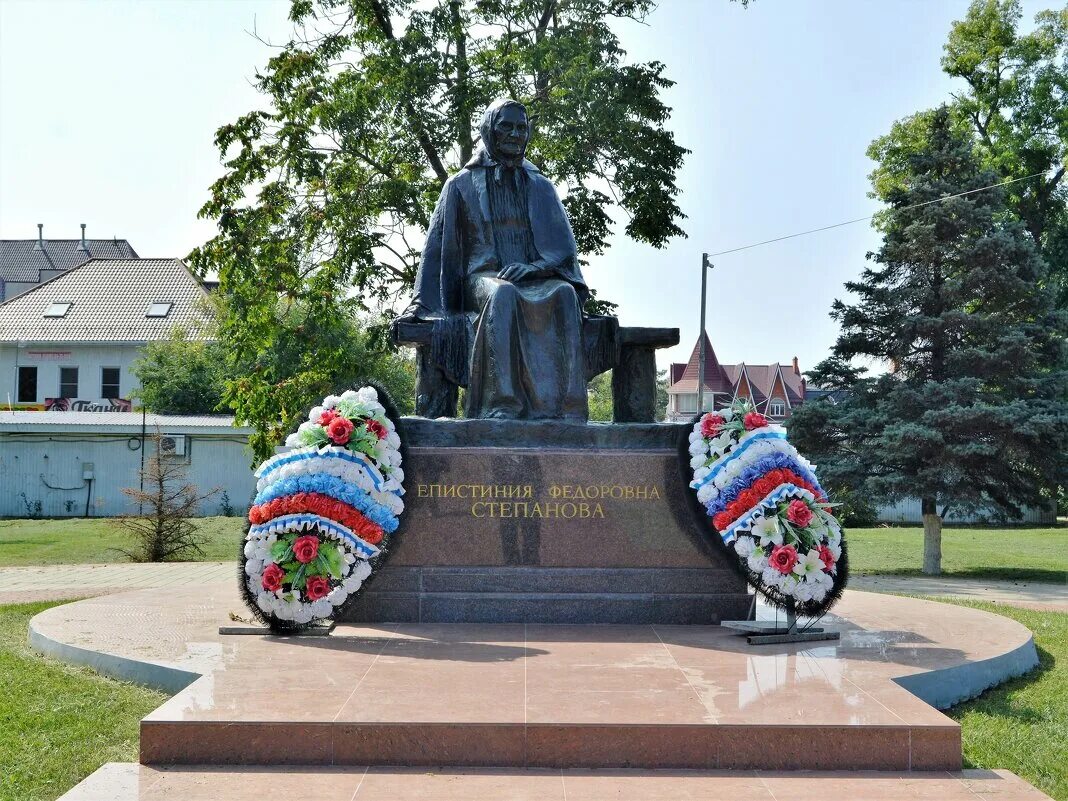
631 356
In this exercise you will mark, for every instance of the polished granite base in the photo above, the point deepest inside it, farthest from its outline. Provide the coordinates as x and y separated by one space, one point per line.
127 782
545 696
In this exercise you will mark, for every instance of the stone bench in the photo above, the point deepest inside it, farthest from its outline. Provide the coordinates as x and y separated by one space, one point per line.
633 362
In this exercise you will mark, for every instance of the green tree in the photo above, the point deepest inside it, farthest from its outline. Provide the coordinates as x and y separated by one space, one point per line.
181 376
600 397
308 357
372 104
972 413
1014 101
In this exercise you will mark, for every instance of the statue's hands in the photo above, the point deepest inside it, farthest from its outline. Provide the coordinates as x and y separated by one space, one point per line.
514 273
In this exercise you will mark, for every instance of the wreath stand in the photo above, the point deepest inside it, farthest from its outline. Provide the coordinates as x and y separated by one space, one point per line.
769 632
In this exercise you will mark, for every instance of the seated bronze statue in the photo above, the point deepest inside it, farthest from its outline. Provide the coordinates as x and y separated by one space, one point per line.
500 247
499 295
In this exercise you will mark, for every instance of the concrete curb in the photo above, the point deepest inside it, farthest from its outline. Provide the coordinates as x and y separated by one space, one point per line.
949 686
149 674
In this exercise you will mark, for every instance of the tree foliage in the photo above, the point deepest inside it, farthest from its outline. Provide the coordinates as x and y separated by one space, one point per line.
307 358
972 414
1013 102
181 376
371 105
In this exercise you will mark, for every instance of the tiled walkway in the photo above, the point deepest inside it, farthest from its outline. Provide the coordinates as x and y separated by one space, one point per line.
58 582
1030 594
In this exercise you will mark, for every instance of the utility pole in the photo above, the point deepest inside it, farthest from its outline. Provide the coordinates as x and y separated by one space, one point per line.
706 265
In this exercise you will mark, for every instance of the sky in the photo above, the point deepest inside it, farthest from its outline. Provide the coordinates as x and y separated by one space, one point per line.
108 109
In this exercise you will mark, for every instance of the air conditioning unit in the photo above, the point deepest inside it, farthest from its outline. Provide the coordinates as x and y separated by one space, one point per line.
172 444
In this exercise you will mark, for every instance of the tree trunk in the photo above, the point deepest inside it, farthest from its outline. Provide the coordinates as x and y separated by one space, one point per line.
932 537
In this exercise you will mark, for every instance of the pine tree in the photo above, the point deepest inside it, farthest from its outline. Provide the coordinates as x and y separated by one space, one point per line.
972 413
163 530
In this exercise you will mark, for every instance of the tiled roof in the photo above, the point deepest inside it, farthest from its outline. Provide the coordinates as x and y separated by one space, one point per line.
726 377
118 420
22 260
716 379
109 299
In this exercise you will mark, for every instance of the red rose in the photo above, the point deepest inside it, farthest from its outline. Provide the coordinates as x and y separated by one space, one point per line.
783 558
754 420
326 417
711 425
306 548
376 428
317 587
339 430
273 577
721 521
798 513
827 558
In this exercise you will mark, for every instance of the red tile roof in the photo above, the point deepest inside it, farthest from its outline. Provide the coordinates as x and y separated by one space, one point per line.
725 378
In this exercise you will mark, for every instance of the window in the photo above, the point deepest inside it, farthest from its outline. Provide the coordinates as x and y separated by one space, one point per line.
58 309
778 407
109 383
68 382
687 402
158 309
709 401
27 392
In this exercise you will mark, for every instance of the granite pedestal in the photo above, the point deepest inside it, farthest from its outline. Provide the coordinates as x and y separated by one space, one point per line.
548 522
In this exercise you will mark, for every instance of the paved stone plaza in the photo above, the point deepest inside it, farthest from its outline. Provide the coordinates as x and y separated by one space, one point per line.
541 711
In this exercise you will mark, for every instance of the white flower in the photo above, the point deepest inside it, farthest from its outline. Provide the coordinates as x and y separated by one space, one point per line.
698 446
293 441
695 435
706 493
700 473
772 577
330 401
368 395
349 394
315 413
769 531
757 561
697 461
808 563
363 570
744 547
804 591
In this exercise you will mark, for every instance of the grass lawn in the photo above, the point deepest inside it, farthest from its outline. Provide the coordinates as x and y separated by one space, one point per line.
78 542
1022 725
1032 554
59 723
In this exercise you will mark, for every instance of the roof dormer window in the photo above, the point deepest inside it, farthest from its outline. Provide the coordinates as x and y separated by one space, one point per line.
58 309
158 309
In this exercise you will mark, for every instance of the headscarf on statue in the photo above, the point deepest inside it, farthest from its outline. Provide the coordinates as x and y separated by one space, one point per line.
487 155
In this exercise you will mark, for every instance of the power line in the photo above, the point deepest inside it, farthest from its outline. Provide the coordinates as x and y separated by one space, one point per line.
870 216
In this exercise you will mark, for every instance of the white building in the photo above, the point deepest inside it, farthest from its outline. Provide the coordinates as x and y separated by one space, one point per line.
70 342
75 464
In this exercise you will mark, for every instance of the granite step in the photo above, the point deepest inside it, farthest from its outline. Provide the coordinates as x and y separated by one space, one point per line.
544 607
131 782
531 579
499 594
